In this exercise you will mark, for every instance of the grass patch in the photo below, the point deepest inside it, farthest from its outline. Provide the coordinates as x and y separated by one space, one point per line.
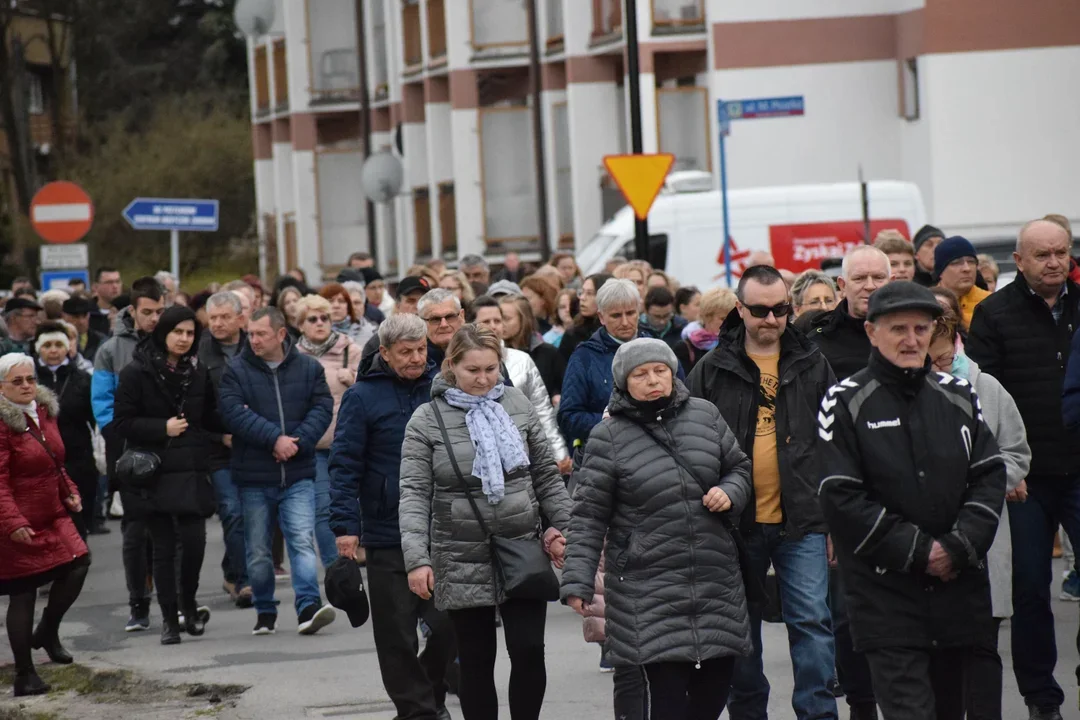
88 681
20 714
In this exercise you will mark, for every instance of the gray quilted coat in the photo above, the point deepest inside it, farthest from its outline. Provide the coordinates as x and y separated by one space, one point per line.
438 526
672 585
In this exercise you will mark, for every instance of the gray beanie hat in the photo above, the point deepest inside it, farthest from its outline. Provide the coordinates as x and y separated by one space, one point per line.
638 352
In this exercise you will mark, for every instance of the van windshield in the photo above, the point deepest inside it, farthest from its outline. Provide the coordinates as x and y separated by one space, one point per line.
593 251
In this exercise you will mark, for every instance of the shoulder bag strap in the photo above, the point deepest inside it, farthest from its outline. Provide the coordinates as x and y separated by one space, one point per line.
345 362
457 469
45 445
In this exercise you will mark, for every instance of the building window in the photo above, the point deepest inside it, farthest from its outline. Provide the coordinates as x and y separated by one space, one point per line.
379 61
499 23
448 220
410 23
281 76
554 22
683 126
909 88
509 175
607 17
678 13
335 62
35 94
564 191
422 216
262 81
436 25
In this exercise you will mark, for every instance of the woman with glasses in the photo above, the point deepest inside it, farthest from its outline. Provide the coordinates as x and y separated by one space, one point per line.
813 290
456 282
587 321
340 358
38 540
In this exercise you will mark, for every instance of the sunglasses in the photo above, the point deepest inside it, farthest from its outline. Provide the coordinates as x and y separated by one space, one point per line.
762 311
437 320
318 318
19 382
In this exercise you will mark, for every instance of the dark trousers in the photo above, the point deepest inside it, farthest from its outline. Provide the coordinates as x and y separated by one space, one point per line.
628 691
683 691
919 683
136 552
852 669
168 531
524 622
416 685
982 691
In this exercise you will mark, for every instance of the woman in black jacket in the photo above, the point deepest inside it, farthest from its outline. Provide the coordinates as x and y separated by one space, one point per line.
587 321
58 372
165 404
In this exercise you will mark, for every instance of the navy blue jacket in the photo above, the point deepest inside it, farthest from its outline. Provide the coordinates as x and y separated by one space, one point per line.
365 458
1070 401
258 405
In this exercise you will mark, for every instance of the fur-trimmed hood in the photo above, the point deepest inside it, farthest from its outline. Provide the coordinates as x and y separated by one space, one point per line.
15 419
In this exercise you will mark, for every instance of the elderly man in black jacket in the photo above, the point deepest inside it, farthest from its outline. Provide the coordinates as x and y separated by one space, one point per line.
912 488
1021 335
768 381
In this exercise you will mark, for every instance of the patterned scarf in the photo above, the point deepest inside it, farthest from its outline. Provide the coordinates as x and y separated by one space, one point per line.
320 349
498 444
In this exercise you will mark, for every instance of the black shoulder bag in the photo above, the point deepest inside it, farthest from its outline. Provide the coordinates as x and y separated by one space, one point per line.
755 588
521 566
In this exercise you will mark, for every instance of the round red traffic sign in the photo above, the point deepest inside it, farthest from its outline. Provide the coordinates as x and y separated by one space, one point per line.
61 213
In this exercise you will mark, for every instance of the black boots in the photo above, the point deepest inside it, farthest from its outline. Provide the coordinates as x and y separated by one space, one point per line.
47 638
194 620
864 712
27 682
170 625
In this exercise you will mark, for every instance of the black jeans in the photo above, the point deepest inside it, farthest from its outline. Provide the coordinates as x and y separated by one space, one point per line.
682 691
919 684
136 554
852 669
416 685
168 531
982 693
628 691
524 622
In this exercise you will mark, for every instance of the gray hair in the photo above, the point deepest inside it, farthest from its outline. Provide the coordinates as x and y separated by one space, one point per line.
277 319
225 297
617 293
436 297
473 261
162 275
352 286
398 328
807 280
13 360
863 249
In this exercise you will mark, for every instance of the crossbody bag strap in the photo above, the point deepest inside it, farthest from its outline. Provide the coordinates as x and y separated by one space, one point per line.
45 446
457 469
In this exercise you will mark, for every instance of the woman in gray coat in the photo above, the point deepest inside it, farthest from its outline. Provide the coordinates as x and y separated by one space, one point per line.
499 445
675 602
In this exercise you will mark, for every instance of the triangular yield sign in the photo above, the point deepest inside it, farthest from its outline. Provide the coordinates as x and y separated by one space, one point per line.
639 177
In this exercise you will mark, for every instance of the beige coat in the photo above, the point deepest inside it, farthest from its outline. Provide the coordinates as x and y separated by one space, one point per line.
340 363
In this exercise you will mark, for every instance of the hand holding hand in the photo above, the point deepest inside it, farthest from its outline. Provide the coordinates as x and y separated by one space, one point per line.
347 546
579 605
1019 495
24 535
422 582
176 426
940 564
566 465
557 552
226 440
73 503
716 500
830 551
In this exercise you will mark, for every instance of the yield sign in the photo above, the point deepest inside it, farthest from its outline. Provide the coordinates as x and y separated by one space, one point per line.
61 212
639 177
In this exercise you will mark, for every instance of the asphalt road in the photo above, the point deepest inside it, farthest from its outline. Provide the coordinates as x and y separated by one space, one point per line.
335 673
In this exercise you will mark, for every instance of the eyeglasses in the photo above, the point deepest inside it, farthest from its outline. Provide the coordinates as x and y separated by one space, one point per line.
437 320
318 318
20 381
762 311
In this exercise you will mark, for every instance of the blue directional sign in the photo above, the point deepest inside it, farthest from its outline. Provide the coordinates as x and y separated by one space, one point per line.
59 279
761 108
166 214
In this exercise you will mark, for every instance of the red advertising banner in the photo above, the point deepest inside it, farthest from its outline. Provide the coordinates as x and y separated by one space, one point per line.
803 247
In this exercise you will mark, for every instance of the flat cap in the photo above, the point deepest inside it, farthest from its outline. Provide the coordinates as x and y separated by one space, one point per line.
77 305
902 295
20 302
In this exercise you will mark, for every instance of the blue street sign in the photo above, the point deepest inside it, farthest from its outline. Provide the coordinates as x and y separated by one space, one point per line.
166 214
761 108
60 279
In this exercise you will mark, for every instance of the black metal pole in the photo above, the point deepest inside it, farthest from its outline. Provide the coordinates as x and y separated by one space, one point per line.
633 79
538 135
365 121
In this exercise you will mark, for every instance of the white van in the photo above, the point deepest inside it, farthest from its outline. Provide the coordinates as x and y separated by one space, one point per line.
800 225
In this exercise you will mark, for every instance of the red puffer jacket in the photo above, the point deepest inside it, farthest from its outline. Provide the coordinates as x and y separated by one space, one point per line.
32 490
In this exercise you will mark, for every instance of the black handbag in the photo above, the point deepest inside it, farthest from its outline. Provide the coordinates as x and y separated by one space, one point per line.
755 587
521 566
136 469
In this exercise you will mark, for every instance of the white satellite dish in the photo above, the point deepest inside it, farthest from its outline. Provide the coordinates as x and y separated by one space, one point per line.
254 17
381 177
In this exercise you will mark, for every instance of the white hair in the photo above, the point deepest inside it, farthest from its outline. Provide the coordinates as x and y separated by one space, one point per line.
13 360
352 286
617 293
223 298
845 266
55 294
437 297
397 328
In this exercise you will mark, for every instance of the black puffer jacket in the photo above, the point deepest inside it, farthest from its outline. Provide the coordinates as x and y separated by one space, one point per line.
907 459
842 340
142 408
729 379
215 360
72 389
1013 337
672 585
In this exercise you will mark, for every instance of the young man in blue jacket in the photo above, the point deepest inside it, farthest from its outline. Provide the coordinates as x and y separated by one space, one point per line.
277 405
364 468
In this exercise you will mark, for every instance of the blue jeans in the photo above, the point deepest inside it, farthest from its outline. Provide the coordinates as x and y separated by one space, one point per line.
1051 500
324 536
231 514
802 573
295 509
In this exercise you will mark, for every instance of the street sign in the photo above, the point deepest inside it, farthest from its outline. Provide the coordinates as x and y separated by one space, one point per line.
60 279
61 212
640 178
166 214
761 108
65 257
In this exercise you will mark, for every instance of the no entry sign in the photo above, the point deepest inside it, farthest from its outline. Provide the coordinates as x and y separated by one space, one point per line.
61 212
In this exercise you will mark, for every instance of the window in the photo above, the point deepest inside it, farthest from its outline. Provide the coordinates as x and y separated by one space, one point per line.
448 220
281 75
35 94
509 174
499 23
678 13
554 22
262 81
422 215
564 191
909 88
607 17
379 62
436 25
683 126
410 23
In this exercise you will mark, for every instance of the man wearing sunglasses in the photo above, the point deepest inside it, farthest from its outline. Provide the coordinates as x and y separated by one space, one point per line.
768 382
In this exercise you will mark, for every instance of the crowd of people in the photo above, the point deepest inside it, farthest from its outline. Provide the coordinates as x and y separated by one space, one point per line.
880 460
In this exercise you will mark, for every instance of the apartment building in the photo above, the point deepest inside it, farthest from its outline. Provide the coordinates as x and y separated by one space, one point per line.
971 99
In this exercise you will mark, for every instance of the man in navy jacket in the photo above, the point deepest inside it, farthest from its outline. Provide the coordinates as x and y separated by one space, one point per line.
277 405
364 464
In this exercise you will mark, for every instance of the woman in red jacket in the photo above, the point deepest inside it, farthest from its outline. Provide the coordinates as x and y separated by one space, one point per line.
38 540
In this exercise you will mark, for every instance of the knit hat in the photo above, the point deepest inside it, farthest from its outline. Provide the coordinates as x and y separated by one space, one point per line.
925 233
951 249
504 287
901 295
370 275
172 317
638 352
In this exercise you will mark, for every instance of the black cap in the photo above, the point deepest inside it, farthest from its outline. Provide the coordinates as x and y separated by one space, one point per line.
925 233
77 306
345 590
351 275
20 303
902 295
370 275
413 283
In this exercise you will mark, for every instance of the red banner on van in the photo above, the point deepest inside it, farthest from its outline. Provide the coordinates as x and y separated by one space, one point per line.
803 247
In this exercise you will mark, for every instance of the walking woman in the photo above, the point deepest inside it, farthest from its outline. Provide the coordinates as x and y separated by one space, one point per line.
587 321
38 540
166 405
476 460
340 358
658 476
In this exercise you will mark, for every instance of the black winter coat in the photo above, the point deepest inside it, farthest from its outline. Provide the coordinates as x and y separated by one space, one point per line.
551 364
907 459
842 340
76 419
1013 337
673 591
143 406
214 359
729 379
94 340
577 334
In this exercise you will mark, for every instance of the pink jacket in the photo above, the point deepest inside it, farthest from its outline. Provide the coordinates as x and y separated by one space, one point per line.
593 624
345 355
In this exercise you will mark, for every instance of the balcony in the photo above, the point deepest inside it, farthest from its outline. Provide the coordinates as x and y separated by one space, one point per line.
335 76
675 16
436 31
412 49
607 19
499 24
